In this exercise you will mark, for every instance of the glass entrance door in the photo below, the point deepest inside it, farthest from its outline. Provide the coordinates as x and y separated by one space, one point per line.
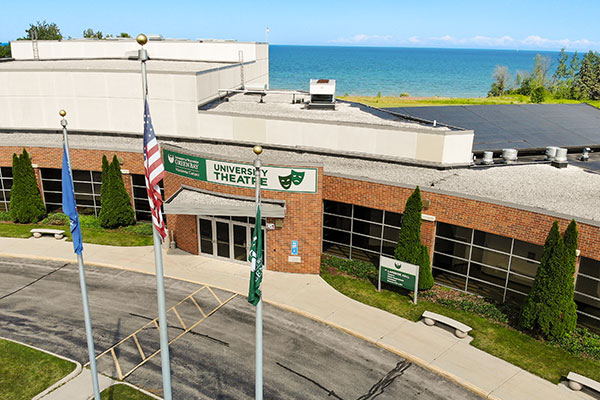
227 237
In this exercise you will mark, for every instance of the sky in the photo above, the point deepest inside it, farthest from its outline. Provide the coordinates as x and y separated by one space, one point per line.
504 24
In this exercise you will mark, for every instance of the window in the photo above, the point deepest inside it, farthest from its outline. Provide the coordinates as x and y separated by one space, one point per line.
587 292
5 185
140 198
359 233
85 183
484 263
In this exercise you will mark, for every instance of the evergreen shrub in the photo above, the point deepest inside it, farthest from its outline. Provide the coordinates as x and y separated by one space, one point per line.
550 307
409 248
116 208
56 219
26 204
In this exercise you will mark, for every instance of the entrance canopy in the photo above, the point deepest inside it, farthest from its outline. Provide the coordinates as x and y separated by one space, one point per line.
192 201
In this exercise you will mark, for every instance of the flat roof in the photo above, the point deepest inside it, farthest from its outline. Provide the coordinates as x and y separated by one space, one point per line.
278 104
518 126
112 65
568 192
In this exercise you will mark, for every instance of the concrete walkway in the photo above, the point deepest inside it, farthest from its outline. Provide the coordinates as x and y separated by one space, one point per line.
432 347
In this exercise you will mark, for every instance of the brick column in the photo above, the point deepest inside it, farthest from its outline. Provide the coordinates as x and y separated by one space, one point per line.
128 185
38 178
428 228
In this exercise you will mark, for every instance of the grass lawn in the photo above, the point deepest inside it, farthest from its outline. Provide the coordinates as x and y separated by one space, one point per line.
113 237
540 358
392 101
123 392
25 372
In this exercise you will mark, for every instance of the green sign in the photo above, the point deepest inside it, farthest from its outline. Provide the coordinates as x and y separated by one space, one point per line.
399 273
285 179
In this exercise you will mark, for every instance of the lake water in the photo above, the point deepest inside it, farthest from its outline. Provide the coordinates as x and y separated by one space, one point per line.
396 70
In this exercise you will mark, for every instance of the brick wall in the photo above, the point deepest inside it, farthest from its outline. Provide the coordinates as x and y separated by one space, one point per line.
511 222
303 222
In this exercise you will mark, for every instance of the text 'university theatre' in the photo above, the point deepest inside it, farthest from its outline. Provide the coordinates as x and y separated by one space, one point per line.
336 175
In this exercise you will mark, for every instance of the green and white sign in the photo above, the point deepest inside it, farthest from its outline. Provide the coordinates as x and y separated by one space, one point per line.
285 179
399 273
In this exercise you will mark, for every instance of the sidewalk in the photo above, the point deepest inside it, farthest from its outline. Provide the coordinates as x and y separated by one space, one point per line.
432 347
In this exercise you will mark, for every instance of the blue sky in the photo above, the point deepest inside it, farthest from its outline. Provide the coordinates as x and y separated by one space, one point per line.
505 24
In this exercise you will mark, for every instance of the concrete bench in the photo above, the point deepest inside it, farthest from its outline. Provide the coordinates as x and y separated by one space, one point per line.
58 234
460 331
576 382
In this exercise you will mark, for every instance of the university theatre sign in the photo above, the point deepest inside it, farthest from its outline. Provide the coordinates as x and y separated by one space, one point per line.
285 179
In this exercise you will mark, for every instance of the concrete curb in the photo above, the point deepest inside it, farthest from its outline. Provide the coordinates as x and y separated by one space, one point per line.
56 385
133 386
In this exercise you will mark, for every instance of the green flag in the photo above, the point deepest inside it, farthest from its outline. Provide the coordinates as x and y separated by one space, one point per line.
257 263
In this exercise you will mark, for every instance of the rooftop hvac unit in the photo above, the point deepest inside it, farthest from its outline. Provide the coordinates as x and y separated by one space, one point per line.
509 156
322 93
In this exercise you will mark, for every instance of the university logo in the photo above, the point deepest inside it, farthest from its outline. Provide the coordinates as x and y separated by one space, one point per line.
295 178
171 158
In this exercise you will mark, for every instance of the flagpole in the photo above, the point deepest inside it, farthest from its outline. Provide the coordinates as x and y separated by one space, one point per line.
258 389
82 283
158 261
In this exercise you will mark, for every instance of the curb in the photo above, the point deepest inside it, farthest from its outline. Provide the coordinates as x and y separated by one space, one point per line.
56 385
133 386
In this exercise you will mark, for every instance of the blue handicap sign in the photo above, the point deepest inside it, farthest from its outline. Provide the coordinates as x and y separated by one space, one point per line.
294 247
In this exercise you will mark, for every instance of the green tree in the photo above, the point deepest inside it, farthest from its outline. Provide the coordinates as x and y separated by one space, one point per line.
538 94
26 204
549 307
571 240
587 82
562 69
116 208
409 248
124 35
5 51
43 31
91 34
501 81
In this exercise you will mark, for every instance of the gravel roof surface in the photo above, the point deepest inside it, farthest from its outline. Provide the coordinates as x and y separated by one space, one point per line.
572 191
280 105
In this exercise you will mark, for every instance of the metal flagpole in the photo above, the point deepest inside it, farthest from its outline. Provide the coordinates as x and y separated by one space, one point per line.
82 283
258 389
158 262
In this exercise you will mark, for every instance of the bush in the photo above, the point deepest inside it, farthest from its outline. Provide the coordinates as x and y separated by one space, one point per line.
116 208
359 269
581 342
538 95
5 216
485 309
549 306
409 248
26 204
56 219
89 221
141 228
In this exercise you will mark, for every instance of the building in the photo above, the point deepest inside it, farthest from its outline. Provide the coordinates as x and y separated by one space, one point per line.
335 181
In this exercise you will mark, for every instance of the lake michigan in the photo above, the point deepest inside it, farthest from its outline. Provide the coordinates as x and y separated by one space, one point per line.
396 70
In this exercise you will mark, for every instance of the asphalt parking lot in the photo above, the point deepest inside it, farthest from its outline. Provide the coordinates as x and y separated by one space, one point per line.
40 304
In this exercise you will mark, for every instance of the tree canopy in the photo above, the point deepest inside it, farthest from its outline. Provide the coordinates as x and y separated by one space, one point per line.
43 31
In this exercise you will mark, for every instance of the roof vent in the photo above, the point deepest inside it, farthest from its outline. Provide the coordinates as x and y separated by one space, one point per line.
155 37
551 152
509 156
560 160
488 158
322 94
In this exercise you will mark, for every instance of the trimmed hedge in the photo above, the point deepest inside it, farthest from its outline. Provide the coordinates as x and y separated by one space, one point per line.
359 269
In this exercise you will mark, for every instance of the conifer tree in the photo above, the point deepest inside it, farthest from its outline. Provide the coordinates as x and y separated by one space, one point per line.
409 248
549 306
26 204
570 240
116 208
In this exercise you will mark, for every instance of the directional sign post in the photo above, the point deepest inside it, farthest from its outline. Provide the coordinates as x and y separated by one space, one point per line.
399 273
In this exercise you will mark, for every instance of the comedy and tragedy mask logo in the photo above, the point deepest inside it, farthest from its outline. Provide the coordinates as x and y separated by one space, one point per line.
295 177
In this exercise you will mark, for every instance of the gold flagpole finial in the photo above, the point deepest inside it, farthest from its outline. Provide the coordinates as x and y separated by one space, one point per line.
257 150
141 39
62 113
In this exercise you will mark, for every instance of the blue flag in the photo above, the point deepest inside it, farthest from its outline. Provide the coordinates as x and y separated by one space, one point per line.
69 206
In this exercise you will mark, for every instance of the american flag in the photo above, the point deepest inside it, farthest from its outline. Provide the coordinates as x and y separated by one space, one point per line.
154 171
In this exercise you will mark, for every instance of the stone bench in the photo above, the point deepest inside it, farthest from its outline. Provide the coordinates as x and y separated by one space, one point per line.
576 382
58 234
460 331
